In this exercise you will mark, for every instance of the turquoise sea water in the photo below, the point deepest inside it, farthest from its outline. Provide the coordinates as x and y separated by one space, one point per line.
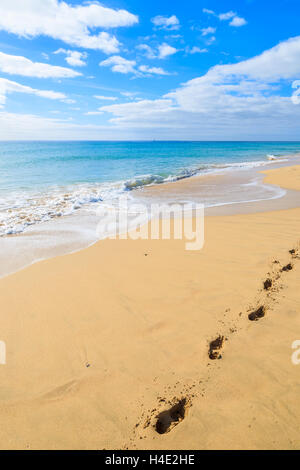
40 180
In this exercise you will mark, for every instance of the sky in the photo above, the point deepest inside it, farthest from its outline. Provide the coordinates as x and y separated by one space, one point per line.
137 70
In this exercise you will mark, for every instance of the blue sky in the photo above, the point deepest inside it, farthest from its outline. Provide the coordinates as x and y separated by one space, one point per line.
126 69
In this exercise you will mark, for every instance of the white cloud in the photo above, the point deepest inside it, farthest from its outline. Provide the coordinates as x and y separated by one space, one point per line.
119 64
279 62
106 98
129 94
195 50
147 50
73 58
165 22
69 101
227 16
27 126
238 21
122 65
153 70
209 12
18 65
235 19
210 40
59 20
93 113
8 86
165 50
208 30
146 107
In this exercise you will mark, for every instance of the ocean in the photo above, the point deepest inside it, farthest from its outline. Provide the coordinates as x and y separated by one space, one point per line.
40 181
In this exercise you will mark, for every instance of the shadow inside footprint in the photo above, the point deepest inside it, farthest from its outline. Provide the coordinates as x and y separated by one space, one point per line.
268 284
288 267
214 348
257 314
170 418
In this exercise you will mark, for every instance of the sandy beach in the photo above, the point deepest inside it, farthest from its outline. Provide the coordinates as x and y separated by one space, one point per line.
144 345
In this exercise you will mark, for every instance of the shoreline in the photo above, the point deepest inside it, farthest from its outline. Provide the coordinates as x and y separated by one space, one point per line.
72 233
61 201
100 342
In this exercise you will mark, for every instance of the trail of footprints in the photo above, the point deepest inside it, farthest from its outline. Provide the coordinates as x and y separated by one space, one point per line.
164 421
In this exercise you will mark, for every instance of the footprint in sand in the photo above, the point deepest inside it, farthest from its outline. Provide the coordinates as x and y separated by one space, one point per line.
215 348
268 284
294 252
257 314
168 419
287 268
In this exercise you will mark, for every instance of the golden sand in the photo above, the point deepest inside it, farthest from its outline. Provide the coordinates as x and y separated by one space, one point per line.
100 342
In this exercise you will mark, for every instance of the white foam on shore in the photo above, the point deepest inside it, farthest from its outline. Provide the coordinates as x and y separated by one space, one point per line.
19 211
271 193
